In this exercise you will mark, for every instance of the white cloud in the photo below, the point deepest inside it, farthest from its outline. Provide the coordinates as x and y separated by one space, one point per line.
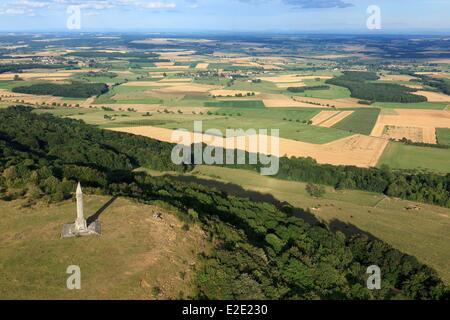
32 7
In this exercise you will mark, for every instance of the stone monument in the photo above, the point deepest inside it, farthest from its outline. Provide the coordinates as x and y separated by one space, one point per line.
80 227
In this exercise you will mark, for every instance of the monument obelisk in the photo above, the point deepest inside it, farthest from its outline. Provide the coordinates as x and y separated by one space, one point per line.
80 223
80 227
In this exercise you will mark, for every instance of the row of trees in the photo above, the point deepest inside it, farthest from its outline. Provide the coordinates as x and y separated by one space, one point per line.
411 185
305 88
442 85
18 67
260 252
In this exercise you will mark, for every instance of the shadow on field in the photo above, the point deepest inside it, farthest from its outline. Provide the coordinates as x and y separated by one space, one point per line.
236 190
97 214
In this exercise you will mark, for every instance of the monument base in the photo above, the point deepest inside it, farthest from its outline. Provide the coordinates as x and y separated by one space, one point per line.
69 230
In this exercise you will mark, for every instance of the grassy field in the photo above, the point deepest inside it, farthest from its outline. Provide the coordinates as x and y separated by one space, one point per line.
360 121
419 105
443 135
334 92
400 156
424 234
129 95
134 254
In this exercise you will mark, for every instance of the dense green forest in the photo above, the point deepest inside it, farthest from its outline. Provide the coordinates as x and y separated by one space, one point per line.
260 252
305 88
73 90
360 88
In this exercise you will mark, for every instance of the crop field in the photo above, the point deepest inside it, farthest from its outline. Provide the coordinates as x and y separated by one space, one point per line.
400 156
360 121
443 136
356 150
415 125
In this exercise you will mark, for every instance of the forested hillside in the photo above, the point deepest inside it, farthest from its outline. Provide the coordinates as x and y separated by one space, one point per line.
412 185
261 252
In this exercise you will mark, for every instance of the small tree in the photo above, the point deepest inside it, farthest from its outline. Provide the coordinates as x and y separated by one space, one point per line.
315 191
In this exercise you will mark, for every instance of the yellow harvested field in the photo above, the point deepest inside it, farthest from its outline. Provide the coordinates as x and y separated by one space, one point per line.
323 116
282 79
36 75
335 119
33 99
174 67
357 150
433 96
396 77
338 103
441 60
439 75
415 134
144 84
174 54
44 74
283 101
423 119
225 93
188 88
290 84
164 64
328 119
175 80
202 66
292 78
413 86
315 77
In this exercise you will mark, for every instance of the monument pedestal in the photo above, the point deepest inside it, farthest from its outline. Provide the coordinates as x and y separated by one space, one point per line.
71 230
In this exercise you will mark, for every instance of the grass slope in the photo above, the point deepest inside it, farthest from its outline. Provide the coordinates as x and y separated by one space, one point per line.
134 254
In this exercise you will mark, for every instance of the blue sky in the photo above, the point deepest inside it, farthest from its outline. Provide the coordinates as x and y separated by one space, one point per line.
405 16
